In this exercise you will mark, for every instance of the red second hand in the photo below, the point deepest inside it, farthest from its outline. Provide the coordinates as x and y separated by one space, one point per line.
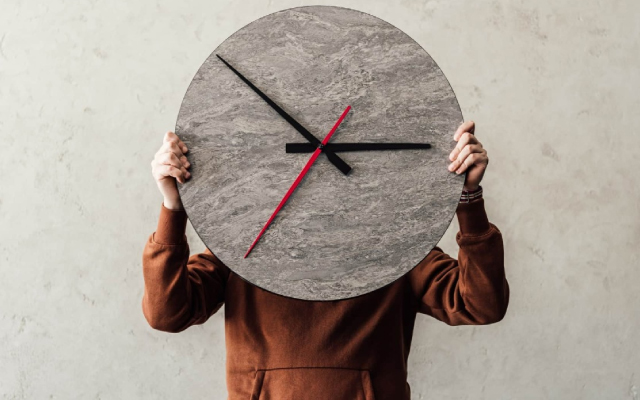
313 157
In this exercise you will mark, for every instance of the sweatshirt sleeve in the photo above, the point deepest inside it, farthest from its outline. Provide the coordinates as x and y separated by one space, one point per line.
179 291
473 289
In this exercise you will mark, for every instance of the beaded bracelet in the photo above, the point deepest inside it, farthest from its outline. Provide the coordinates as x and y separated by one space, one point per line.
467 195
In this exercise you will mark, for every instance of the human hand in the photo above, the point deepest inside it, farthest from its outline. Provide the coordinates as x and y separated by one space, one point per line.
168 165
468 155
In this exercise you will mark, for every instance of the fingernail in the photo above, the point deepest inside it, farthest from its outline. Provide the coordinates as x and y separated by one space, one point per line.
451 167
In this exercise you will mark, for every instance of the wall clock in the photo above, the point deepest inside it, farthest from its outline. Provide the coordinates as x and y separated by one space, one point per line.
350 111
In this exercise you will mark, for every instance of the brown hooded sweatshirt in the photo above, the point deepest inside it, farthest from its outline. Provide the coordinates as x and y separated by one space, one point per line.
355 349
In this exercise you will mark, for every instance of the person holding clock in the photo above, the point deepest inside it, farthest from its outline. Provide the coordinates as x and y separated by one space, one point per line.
357 348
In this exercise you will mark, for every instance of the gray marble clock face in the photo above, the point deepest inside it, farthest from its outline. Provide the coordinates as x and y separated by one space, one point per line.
338 236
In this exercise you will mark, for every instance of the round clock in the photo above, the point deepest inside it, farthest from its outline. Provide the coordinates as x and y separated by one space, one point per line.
319 140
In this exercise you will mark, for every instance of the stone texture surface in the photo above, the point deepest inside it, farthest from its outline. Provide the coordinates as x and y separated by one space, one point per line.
88 89
338 236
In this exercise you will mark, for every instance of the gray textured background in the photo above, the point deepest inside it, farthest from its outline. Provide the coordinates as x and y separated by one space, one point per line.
88 89
337 236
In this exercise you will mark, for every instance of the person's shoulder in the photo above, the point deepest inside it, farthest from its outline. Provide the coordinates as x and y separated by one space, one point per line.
209 254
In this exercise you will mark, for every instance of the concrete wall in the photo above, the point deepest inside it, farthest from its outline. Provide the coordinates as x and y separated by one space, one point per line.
87 89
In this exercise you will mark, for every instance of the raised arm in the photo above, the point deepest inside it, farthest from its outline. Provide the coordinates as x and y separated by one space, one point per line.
179 291
473 289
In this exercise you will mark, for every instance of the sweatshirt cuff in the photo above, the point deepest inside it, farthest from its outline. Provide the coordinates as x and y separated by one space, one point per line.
472 217
172 225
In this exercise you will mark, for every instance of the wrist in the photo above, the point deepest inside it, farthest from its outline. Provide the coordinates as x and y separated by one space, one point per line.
171 227
175 205
468 195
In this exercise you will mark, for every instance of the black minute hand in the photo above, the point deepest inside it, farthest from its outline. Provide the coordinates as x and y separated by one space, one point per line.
335 160
341 147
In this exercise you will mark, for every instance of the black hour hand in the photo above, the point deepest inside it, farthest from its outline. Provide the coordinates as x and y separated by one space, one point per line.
342 147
